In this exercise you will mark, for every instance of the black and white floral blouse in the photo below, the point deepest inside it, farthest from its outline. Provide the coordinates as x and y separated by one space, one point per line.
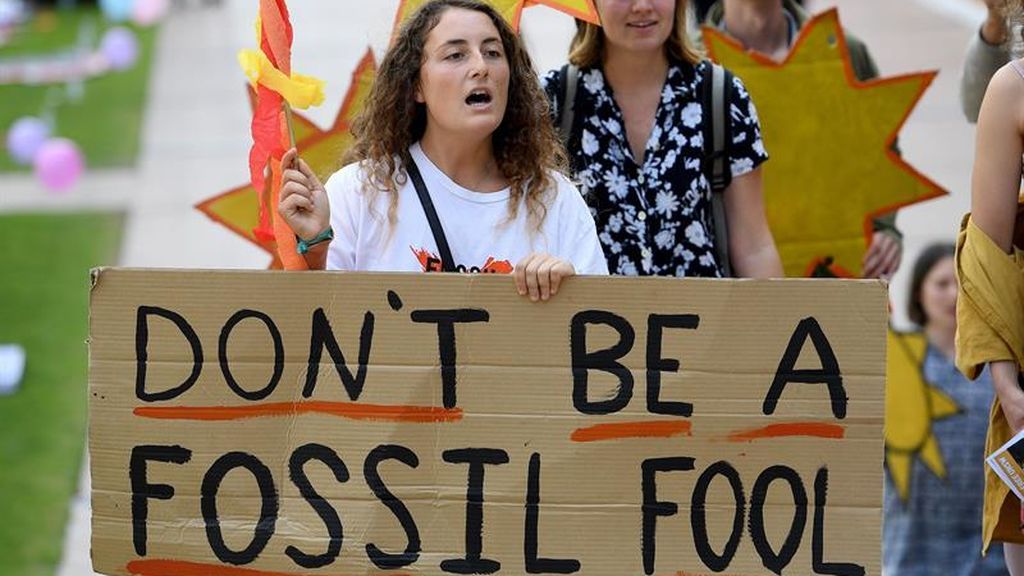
654 219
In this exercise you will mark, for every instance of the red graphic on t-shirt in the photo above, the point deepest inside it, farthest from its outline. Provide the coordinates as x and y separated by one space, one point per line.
431 263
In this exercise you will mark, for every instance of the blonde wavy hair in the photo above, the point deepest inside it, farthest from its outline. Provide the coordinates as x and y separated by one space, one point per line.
526 147
587 48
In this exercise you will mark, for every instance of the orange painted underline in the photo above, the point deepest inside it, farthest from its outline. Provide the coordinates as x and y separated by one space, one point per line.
809 429
421 414
182 568
654 429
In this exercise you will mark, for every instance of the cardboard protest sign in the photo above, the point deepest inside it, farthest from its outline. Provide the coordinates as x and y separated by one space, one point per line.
440 424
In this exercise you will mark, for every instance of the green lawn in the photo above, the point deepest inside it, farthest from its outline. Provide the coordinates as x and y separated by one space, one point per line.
106 122
44 297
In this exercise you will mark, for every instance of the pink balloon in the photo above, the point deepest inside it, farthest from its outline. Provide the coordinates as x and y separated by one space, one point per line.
149 12
58 164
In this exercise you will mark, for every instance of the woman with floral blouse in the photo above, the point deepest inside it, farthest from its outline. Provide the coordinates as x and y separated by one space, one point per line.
637 148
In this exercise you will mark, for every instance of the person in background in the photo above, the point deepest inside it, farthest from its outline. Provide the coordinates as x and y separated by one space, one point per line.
701 7
990 267
638 148
455 124
937 530
988 50
770 28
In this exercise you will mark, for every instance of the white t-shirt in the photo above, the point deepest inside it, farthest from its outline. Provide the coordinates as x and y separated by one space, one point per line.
476 224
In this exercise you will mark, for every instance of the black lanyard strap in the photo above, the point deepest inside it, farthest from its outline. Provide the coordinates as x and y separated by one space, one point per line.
447 262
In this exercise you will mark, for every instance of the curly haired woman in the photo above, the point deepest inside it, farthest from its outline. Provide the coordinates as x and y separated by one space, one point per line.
456 102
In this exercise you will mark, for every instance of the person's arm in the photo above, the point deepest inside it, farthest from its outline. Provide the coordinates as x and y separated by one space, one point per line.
995 184
986 52
995 181
752 249
304 206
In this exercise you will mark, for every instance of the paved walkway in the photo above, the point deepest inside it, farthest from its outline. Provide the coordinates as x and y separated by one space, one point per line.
195 136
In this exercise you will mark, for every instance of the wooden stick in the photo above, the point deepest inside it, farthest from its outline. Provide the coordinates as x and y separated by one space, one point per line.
288 121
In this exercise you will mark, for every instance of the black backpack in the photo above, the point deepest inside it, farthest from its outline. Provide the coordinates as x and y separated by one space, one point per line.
715 97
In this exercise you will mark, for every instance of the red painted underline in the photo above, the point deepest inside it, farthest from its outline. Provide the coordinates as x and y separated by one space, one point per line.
355 411
790 429
619 430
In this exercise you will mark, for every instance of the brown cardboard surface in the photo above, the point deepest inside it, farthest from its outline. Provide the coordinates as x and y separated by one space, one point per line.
515 396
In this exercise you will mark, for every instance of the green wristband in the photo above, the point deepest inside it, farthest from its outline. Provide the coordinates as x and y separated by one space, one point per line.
303 246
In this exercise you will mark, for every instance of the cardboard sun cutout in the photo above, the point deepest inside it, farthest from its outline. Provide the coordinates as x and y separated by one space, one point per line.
830 137
238 208
512 10
911 405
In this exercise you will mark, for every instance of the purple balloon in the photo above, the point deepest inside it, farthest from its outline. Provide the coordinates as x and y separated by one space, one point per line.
120 47
58 164
25 137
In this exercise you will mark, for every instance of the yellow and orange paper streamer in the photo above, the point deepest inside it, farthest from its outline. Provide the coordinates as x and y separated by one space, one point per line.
237 209
269 71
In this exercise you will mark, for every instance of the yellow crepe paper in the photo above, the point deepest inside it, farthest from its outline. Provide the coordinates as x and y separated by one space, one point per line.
911 405
832 168
298 90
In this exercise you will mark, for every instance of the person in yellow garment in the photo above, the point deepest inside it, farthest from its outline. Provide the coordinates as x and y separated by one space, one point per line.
990 310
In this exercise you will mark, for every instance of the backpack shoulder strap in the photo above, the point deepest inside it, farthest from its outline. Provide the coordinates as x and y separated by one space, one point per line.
567 112
721 133
716 95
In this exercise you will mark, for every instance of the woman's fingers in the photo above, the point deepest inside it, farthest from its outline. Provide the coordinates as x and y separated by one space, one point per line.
306 171
539 276
519 273
892 258
532 284
544 272
288 160
295 204
295 183
290 189
562 269
293 175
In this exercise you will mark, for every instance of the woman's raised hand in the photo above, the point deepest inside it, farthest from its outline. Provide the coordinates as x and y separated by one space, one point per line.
539 275
303 201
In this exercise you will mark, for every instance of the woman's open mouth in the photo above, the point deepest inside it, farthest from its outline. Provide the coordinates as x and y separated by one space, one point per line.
478 98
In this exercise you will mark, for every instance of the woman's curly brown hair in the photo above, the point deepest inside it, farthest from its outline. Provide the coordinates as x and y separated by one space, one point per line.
526 147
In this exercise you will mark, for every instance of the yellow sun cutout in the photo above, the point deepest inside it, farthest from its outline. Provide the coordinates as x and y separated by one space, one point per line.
911 405
512 10
830 136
